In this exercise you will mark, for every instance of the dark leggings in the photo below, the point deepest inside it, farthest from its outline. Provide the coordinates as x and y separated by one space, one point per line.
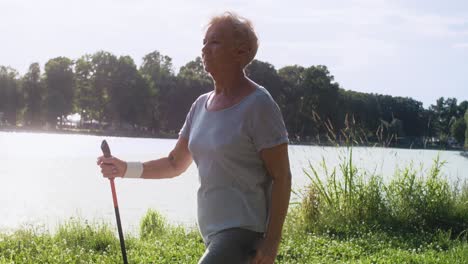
231 246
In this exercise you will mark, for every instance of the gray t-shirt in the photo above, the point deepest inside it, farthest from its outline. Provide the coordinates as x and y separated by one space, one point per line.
235 188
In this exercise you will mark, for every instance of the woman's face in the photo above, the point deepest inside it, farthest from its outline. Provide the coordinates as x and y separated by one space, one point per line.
219 51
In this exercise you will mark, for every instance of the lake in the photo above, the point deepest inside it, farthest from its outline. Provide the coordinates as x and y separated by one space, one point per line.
48 178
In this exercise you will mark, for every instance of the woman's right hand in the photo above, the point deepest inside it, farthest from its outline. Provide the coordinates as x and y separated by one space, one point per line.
112 167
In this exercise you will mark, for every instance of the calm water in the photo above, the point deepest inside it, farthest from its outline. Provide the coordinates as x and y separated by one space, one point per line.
46 179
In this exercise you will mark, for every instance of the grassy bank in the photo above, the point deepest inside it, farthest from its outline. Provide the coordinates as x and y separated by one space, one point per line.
79 242
347 215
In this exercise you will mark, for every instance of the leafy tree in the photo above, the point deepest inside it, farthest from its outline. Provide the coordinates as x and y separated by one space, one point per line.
310 100
194 70
87 98
157 71
363 108
443 112
394 128
130 94
462 107
409 111
320 98
59 89
292 80
9 94
466 130
105 64
157 67
34 95
458 129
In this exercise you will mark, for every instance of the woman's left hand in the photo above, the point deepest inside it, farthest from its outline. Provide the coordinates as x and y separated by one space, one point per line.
266 252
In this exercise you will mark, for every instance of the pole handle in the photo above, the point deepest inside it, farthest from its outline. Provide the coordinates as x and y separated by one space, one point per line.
107 153
105 149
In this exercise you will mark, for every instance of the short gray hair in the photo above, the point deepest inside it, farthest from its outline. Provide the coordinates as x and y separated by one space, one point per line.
243 32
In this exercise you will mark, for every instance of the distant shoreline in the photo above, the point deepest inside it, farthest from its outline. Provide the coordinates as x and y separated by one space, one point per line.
137 134
90 132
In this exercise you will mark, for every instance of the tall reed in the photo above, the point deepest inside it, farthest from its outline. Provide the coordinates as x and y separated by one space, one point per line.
347 199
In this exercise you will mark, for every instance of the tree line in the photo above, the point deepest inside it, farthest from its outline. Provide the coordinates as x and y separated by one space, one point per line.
113 92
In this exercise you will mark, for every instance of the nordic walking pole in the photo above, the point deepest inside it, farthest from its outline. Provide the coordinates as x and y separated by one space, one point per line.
106 151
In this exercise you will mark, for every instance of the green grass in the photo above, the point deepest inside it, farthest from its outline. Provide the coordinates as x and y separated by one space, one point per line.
80 242
372 247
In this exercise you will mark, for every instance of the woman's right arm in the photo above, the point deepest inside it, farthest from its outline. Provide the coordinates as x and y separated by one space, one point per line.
176 163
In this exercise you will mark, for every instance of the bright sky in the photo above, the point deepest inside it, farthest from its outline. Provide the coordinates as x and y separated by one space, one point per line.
415 48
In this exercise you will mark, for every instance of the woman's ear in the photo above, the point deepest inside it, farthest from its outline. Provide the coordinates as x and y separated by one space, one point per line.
243 49
243 52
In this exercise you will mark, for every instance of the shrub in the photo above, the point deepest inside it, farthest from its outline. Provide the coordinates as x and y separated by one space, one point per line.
418 201
153 224
345 198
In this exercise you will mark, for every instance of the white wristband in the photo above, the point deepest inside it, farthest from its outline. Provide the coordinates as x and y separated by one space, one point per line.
134 170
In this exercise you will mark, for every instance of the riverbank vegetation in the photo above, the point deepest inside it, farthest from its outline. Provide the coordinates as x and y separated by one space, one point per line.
81 242
345 214
347 199
102 93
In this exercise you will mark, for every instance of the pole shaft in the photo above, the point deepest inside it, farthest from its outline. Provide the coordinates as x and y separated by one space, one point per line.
119 225
107 153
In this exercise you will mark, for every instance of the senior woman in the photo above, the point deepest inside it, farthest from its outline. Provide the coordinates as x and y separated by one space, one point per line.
237 138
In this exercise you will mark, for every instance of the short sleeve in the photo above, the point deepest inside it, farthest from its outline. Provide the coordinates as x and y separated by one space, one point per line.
185 130
268 128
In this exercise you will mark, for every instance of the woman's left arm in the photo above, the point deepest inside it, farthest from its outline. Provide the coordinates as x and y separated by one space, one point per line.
276 162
